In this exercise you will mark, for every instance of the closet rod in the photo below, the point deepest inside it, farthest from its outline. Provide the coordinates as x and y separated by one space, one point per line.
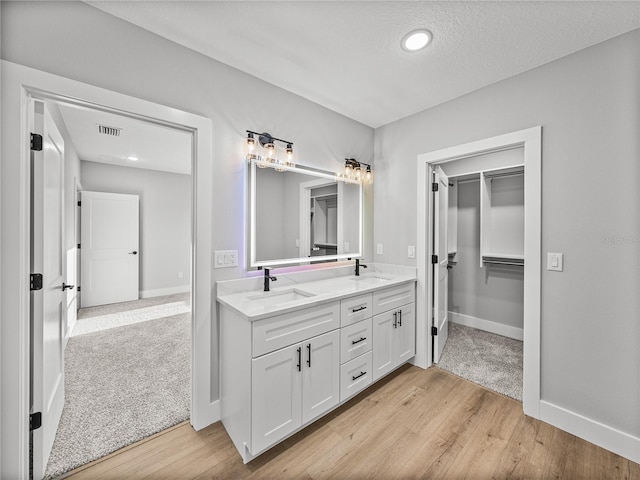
504 174
504 262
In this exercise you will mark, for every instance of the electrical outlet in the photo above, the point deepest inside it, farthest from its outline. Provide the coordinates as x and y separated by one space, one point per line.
180 274
346 247
411 251
379 249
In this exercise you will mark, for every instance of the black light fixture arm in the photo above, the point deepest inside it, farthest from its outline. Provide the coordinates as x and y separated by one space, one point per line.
354 162
269 136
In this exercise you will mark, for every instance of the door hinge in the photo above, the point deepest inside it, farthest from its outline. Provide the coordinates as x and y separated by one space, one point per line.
434 330
79 203
78 246
36 142
434 187
35 421
36 281
78 288
434 258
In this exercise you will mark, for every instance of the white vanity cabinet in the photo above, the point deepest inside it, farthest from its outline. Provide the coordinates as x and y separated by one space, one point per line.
292 386
394 327
281 372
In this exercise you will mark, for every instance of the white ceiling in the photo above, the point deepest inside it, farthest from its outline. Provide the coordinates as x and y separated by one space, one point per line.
157 147
346 55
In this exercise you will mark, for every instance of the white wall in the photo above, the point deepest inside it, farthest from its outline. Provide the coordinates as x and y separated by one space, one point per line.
77 41
588 106
165 221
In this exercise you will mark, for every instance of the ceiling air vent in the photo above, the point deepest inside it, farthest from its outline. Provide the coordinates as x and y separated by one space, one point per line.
106 130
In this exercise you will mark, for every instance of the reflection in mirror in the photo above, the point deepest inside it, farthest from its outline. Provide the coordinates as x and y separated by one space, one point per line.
303 216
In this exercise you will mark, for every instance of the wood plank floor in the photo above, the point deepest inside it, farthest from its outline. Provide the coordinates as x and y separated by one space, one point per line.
414 424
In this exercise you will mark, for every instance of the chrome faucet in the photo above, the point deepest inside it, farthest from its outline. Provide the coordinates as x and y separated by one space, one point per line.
358 265
268 277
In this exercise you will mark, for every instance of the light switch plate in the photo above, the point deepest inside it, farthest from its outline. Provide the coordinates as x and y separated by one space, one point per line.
346 247
379 249
555 262
411 251
225 258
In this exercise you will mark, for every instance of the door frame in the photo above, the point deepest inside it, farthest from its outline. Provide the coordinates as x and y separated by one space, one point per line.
531 140
20 84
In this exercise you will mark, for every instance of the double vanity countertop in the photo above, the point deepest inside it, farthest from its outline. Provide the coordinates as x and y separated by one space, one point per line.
293 291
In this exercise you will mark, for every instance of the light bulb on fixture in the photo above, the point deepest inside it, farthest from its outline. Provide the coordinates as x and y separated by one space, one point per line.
348 171
271 152
368 176
251 142
289 153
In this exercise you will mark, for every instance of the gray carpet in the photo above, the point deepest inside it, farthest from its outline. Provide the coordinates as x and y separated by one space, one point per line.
122 385
490 360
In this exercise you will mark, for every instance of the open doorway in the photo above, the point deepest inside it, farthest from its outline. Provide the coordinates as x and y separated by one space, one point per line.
433 247
479 293
119 370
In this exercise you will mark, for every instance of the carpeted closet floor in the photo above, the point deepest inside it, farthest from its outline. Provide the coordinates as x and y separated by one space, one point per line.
487 359
127 376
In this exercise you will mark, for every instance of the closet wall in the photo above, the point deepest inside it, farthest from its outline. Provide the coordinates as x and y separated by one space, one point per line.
490 298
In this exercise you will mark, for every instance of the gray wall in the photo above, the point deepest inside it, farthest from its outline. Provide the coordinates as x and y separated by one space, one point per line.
165 220
78 41
588 106
491 293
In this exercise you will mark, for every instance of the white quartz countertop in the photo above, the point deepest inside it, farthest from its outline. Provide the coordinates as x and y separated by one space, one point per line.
257 304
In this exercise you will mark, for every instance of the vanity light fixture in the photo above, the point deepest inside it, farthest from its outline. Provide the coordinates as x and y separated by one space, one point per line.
353 171
416 40
268 143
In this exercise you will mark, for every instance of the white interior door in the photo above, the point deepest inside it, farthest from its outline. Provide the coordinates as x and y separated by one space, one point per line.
109 248
47 305
440 271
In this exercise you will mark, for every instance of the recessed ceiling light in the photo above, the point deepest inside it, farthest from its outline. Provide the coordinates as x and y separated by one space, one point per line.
133 158
416 40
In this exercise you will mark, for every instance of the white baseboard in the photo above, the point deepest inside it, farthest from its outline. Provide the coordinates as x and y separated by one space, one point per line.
604 436
159 292
211 415
487 325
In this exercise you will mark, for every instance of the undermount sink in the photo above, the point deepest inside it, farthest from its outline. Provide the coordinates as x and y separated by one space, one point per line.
370 279
280 296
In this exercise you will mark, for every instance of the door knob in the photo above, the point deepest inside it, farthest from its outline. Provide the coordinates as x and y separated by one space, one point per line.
133 253
65 286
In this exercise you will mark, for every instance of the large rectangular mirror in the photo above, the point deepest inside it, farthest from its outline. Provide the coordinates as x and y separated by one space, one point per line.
301 216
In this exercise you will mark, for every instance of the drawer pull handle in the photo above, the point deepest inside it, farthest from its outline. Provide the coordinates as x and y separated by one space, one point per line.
362 339
400 318
309 352
354 310
395 319
358 376
299 359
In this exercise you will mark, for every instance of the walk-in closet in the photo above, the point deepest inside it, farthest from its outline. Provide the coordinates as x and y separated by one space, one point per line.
485 284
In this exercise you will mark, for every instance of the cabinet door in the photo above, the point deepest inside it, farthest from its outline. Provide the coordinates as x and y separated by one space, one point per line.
405 336
320 375
276 396
383 336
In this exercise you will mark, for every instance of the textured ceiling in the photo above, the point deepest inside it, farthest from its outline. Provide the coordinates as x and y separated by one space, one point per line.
157 147
347 56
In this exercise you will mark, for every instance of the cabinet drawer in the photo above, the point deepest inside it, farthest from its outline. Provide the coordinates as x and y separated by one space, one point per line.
355 340
393 297
355 376
354 309
282 330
